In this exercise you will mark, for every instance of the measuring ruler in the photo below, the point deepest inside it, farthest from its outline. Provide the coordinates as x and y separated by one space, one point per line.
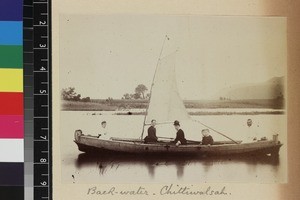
37 91
42 100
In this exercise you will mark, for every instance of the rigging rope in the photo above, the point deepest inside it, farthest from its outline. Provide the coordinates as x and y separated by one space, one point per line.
215 131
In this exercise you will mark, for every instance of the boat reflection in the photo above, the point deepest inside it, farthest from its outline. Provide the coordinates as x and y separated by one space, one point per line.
106 162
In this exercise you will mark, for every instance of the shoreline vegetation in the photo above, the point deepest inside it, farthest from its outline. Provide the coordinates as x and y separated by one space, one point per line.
126 107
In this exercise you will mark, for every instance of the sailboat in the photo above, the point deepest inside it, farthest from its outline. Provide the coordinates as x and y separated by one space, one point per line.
165 106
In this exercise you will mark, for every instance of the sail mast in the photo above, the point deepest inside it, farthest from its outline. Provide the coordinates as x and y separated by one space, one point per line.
144 123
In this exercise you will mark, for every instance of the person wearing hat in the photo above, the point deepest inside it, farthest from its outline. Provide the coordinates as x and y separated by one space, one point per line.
206 137
103 131
180 139
151 137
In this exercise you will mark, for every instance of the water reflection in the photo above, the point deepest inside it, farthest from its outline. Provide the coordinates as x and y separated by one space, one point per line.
106 162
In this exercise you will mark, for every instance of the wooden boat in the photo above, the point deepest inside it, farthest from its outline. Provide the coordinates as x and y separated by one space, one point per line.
165 106
135 146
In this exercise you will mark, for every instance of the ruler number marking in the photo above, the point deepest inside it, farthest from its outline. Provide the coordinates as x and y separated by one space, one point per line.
43 137
44 183
43 91
43 45
42 22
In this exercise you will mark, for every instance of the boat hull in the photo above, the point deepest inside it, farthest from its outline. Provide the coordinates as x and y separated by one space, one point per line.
91 144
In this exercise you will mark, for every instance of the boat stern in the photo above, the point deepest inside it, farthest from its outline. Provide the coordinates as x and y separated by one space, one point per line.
77 137
77 134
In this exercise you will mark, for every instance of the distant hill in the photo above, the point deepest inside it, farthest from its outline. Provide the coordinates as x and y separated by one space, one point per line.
270 89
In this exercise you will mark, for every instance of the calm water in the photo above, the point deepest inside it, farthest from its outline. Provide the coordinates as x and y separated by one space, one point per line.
78 167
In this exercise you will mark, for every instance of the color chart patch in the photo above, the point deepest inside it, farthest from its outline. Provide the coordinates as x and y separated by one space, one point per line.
11 10
11 100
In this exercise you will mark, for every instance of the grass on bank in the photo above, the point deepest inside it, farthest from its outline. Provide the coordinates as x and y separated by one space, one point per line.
120 104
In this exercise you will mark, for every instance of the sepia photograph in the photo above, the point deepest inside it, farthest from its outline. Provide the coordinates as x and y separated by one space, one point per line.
172 99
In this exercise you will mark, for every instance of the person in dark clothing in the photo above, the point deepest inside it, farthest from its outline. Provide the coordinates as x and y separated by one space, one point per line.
206 138
151 137
180 139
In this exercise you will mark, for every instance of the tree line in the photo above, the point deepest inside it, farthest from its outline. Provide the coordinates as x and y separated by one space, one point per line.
139 93
69 94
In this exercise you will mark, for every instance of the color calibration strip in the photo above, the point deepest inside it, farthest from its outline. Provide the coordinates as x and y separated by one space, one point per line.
11 100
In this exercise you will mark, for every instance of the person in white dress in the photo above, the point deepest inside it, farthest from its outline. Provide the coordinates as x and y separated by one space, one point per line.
103 134
252 134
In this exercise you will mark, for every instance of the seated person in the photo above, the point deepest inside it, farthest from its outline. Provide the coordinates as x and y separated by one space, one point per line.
252 135
103 131
151 137
206 138
180 139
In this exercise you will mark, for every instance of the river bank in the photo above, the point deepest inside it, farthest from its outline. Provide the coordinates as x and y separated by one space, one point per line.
137 107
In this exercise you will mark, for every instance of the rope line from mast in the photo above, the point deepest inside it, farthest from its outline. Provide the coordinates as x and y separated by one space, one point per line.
215 131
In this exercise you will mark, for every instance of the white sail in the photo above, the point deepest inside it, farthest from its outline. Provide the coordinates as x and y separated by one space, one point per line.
165 103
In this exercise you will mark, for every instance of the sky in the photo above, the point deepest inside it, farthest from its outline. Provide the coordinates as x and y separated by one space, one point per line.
109 55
